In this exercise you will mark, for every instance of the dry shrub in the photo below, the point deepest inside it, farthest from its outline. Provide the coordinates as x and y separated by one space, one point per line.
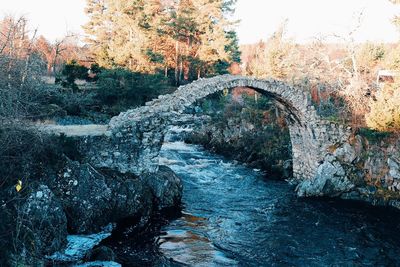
356 94
385 109
29 156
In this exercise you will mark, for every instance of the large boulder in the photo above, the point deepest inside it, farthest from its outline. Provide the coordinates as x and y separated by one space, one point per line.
166 188
44 224
330 180
93 198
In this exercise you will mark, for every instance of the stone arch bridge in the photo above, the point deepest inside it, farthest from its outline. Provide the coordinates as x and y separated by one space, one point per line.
132 140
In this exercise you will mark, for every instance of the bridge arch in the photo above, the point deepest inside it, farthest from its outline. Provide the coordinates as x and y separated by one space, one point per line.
141 131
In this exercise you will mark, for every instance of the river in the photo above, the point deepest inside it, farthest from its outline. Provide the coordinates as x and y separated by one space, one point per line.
235 216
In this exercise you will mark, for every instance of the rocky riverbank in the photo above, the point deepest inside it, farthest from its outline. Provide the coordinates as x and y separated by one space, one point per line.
366 168
77 198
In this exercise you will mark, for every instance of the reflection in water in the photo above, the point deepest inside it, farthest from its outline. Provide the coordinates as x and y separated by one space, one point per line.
234 216
190 246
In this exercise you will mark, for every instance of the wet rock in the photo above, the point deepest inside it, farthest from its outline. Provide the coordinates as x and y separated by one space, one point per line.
85 195
79 246
44 222
395 203
353 195
166 188
131 197
93 198
101 253
287 169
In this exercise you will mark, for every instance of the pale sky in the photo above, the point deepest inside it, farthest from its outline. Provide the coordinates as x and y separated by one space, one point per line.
307 19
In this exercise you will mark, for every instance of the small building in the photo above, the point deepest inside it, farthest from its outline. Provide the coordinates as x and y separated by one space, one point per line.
385 77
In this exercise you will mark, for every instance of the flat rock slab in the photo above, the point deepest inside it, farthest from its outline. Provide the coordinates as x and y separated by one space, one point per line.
76 130
79 245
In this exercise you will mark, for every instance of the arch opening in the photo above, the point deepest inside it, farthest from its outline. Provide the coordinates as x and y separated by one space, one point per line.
245 125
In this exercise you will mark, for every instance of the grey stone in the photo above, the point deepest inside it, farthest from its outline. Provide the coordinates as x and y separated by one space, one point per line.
393 163
43 216
346 153
394 173
166 187
329 181
99 198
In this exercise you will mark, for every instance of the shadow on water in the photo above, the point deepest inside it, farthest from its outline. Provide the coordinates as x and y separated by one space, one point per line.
234 216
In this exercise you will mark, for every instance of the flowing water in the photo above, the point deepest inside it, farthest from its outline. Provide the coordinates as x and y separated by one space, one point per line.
235 216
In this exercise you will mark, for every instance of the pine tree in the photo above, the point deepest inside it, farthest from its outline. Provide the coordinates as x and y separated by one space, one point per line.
98 30
145 36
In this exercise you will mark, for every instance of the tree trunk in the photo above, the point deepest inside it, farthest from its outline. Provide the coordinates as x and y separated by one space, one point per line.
181 70
49 67
186 69
176 62
10 59
28 57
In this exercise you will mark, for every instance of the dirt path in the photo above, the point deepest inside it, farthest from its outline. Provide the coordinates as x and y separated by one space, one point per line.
76 130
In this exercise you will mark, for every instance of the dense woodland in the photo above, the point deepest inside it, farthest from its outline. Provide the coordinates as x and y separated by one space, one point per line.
137 50
188 39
